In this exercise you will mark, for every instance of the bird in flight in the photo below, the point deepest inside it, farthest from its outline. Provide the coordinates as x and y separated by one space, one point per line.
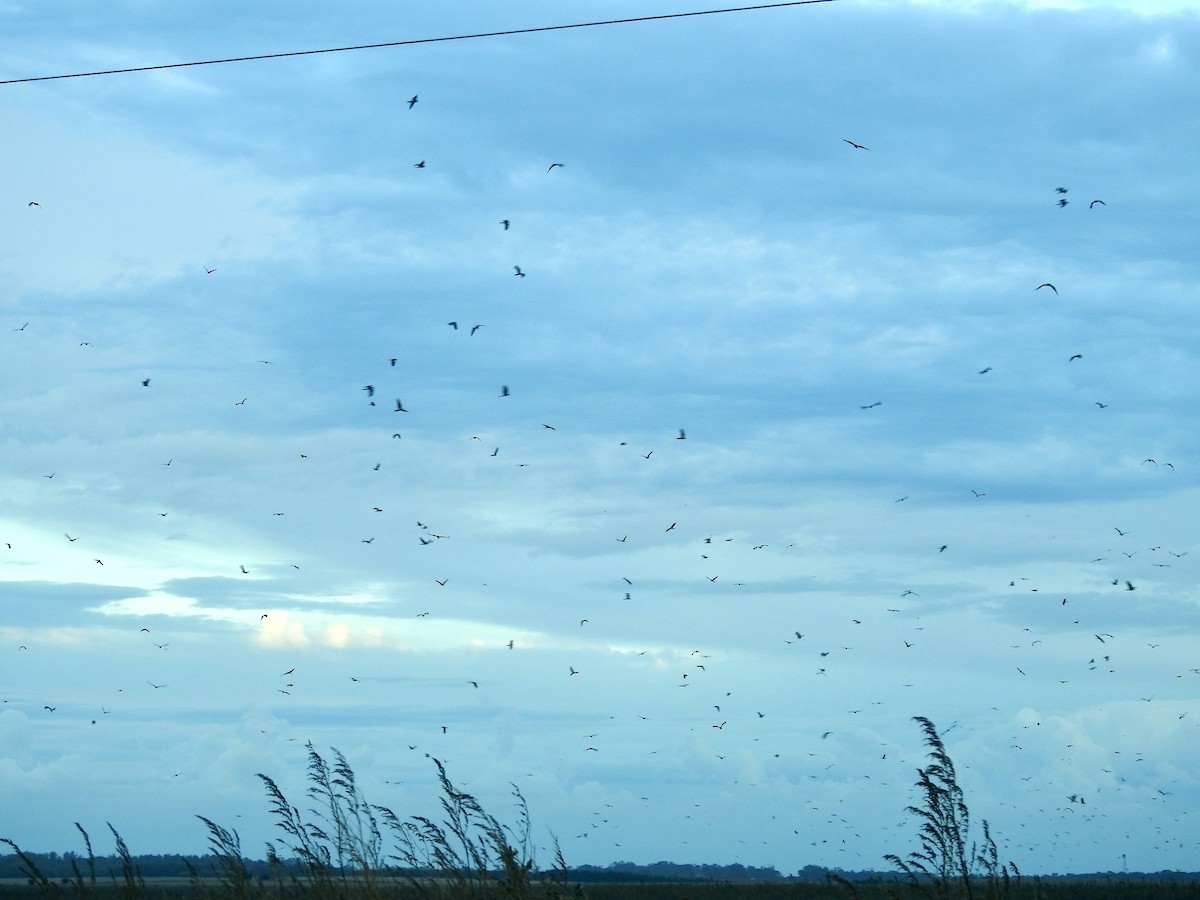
419 165
518 273
245 571
1046 284
1075 357
554 166
872 405
22 328
682 435
412 102
34 203
985 371
854 145
505 223
1094 202
370 389
474 328
504 390
399 406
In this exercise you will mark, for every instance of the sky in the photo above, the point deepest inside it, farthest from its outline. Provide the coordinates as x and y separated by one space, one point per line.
735 449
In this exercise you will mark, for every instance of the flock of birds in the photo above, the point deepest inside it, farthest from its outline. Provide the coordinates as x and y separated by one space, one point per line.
718 709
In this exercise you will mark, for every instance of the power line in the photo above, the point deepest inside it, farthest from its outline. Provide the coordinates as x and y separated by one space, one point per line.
409 43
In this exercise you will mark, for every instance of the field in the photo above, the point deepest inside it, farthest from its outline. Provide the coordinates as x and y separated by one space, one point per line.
1082 888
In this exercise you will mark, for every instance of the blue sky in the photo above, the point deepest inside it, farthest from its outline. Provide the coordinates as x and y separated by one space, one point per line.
853 341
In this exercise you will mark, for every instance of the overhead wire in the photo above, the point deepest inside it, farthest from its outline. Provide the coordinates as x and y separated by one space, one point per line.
415 41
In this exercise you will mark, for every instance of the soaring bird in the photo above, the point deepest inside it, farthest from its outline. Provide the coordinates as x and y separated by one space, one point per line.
1046 284
419 165
474 328
854 145
518 272
985 371
412 102
554 166
1094 202
370 389
399 406
872 405
505 223
1060 190
1075 357
504 390
682 435
208 271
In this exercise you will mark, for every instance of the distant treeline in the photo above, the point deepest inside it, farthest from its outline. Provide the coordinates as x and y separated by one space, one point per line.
58 866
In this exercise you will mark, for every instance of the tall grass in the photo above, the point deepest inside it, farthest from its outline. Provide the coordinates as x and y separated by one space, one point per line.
343 846
947 864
